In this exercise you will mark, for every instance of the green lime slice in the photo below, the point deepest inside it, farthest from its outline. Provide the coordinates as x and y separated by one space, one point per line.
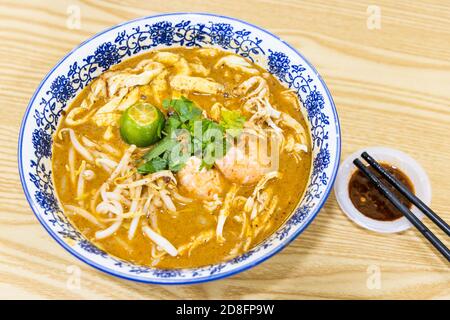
141 124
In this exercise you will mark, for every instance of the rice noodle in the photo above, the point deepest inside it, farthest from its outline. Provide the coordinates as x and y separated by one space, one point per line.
157 202
150 178
122 164
111 150
116 196
83 213
78 146
133 209
71 160
196 241
118 206
135 202
155 262
88 142
63 184
80 185
103 189
155 254
109 231
88 175
153 219
234 252
123 244
133 227
146 206
160 241
94 200
107 164
113 207
167 201
180 198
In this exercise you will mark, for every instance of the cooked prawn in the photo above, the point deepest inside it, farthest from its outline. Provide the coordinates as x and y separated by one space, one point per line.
201 183
248 160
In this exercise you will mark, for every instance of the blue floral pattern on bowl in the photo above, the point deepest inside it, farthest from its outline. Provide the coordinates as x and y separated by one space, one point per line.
112 46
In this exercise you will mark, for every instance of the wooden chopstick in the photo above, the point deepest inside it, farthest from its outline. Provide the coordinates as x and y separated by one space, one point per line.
404 210
407 194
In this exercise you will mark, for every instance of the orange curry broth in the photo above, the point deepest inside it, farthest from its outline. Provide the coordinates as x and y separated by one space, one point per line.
192 218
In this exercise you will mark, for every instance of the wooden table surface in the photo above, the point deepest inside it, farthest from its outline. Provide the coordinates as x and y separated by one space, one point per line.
390 80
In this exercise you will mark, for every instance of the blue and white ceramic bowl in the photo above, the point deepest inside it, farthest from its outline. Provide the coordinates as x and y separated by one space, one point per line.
92 57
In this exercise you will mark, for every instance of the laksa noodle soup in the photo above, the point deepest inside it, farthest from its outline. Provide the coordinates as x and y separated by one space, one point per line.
181 158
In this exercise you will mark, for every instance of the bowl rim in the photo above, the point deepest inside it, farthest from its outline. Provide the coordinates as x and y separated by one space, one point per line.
208 278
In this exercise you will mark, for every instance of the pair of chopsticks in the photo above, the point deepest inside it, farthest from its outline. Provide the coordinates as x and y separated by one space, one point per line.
400 206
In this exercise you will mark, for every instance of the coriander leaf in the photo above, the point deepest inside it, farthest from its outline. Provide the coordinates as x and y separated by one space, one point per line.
188 133
212 152
154 165
179 155
161 147
232 121
172 123
176 167
231 118
211 129
185 108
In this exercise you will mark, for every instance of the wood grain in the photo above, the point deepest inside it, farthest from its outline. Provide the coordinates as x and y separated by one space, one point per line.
391 88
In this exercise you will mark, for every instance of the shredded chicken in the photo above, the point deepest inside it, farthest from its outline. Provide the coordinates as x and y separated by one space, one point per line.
167 58
208 52
250 204
256 96
237 63
225 211
196 241
195 84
